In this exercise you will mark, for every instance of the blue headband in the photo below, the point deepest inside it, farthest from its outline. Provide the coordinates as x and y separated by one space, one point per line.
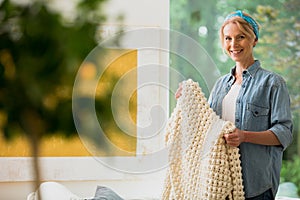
248 19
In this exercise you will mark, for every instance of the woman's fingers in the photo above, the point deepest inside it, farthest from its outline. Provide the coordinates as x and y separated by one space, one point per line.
235 138
178 92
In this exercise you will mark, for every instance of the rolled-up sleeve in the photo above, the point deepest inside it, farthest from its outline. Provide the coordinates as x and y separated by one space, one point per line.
281 117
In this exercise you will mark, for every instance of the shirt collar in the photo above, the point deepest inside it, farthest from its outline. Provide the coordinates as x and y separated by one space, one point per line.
251 71
253 68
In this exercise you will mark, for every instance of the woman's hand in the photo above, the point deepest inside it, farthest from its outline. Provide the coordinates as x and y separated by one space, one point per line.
235 138
179 91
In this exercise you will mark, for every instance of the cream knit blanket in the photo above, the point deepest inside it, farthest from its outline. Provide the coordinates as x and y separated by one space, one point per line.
201 165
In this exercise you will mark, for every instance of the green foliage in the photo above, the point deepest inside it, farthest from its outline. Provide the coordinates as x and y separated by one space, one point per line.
40 55
290 172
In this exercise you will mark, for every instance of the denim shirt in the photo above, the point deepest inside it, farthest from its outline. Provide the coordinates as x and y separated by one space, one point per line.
263 103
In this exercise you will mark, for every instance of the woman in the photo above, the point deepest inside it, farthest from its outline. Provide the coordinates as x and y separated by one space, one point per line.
257 101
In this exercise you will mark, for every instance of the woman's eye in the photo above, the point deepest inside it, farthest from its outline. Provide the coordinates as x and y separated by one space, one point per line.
227 38
241 37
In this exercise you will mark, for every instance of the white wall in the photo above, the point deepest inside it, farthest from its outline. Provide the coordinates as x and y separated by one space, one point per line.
81 175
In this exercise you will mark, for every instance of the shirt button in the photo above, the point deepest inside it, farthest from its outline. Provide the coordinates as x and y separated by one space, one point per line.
237 120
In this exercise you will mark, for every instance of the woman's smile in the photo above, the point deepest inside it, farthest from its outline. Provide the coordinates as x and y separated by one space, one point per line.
236 52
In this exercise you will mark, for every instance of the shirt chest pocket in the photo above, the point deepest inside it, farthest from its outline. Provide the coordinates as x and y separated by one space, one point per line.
257 111
257 117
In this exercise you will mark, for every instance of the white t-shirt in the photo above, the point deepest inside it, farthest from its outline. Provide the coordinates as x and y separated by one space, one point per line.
228 104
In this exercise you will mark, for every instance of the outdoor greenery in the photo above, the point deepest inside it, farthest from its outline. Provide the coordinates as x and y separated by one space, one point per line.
290 171
40 52
278 48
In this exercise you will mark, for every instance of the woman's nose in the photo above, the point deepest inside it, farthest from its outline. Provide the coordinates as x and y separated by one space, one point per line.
233 42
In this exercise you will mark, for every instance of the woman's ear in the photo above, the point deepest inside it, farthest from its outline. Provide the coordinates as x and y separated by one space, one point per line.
255 42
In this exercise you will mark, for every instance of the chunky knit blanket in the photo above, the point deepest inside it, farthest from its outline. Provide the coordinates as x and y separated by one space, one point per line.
201 165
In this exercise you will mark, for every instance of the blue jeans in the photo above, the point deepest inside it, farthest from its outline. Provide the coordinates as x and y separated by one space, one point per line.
267 195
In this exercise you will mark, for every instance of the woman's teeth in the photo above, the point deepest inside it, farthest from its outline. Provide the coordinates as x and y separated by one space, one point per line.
236 51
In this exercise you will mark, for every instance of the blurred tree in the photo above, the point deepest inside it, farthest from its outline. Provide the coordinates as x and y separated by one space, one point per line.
40 53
